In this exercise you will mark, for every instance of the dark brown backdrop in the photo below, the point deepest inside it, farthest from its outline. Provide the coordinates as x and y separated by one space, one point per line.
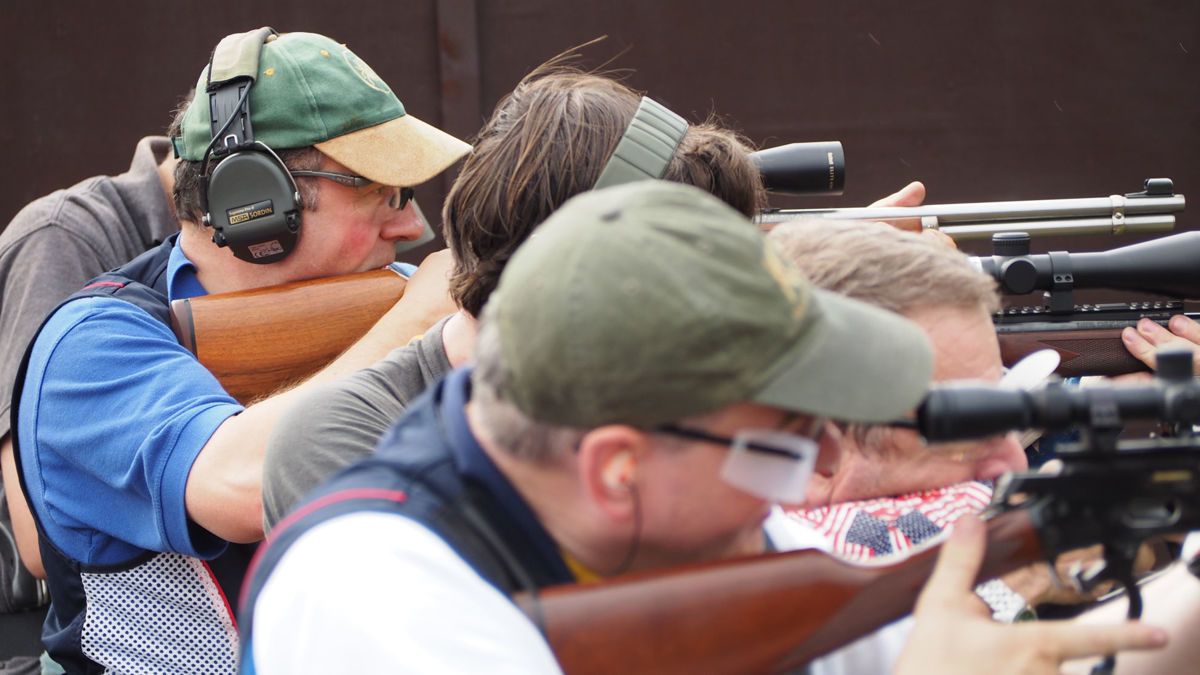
983 101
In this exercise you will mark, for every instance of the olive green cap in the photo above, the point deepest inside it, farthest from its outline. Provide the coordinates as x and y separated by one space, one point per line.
649 302
310 90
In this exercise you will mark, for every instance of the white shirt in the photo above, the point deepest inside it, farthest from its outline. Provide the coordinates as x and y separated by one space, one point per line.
377 592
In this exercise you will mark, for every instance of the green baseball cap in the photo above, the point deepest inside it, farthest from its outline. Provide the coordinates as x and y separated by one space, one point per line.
649 302
310 90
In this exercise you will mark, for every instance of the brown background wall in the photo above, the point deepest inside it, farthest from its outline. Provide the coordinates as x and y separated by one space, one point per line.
1024 99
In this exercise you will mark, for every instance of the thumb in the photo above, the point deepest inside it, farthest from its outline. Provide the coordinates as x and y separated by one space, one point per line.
958 564
912 194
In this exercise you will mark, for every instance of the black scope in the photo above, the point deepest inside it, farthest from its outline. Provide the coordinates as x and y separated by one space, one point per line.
812 168
957 411
1167 266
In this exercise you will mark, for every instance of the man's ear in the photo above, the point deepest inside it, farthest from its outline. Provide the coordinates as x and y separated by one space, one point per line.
608 466
825 475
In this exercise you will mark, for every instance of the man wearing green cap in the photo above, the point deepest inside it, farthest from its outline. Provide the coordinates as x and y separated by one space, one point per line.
651 376
296 162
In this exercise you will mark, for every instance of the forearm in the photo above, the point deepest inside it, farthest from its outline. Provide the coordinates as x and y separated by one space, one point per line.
224 486
224 489
407 319
24 528
426 300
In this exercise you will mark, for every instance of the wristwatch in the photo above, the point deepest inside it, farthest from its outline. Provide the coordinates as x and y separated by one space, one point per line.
1006 604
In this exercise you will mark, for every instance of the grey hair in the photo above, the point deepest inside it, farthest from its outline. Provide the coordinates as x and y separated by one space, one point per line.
886 267
502 421
883 266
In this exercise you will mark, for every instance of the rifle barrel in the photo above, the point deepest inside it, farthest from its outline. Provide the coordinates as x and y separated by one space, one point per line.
1115 214
1073 226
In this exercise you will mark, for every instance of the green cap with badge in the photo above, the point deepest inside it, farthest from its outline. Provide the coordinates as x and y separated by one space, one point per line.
649 302
310 90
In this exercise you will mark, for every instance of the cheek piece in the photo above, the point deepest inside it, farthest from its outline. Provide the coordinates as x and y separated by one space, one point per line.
770 464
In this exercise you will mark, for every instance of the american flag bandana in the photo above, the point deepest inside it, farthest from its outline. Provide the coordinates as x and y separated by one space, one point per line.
874 528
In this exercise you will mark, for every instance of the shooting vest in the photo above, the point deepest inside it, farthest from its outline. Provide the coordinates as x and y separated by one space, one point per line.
189 625
413 473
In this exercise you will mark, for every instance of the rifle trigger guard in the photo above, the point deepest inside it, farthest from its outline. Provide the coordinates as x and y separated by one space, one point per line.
1118 214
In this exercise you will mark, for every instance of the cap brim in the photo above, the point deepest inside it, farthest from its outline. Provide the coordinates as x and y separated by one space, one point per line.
863 364
404 151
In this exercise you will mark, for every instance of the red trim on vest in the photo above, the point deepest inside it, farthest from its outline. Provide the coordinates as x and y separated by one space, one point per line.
228 610
104 283
344 495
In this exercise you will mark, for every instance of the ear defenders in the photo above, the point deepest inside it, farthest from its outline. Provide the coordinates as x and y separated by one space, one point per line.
250 198
647 146
618 471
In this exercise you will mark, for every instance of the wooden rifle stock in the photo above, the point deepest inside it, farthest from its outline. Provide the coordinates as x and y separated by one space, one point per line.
1081 352
1084 347
259 340
758 614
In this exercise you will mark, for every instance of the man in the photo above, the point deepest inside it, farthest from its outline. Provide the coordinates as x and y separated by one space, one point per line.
138 465
935 287
485 220
889 491
644 330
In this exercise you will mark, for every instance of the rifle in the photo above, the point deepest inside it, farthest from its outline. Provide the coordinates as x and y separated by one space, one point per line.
1088 336
776 612
1142 212
259 340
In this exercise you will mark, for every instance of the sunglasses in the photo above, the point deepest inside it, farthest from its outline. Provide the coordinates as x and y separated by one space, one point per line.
351 180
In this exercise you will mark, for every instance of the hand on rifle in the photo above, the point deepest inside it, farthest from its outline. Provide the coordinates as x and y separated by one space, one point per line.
1146 337
912 194
954 632
427 294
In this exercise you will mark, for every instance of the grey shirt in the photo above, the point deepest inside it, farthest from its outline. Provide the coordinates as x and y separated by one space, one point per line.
59 242
341 422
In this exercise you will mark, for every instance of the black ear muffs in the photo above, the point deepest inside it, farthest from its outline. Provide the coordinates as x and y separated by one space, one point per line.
253 206
250 198
647 146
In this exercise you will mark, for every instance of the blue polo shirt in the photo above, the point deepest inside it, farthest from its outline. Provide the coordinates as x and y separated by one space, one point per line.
113 413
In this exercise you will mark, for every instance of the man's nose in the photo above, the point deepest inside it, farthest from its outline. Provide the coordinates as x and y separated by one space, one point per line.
1003 454
404 224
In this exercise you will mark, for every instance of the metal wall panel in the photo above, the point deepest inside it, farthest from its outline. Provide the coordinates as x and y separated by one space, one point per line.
982 101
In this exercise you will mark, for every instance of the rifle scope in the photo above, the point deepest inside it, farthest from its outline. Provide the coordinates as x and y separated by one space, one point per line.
957 411
812 168
1165 266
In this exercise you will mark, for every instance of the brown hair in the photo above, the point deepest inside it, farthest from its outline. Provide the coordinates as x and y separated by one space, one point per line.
547 141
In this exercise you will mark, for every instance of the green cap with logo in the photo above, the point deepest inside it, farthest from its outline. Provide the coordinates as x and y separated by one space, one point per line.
310 90
646 303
